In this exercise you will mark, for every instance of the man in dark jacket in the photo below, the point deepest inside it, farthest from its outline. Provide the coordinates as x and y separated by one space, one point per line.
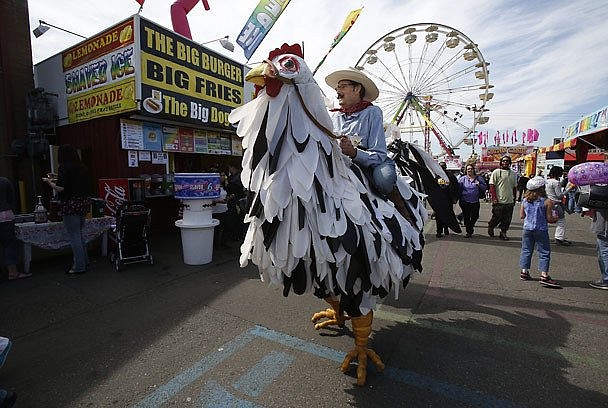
452 193
521 186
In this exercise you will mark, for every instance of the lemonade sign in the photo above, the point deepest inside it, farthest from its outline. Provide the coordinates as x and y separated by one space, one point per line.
99 74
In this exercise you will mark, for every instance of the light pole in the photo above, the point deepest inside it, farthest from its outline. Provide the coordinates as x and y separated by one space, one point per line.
43 27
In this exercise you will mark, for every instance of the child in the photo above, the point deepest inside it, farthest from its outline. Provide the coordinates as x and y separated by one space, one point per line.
536 210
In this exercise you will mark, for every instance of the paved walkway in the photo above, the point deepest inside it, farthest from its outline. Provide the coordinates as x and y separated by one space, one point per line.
465 332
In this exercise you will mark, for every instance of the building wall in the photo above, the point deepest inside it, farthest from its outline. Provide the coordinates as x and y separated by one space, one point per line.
16 80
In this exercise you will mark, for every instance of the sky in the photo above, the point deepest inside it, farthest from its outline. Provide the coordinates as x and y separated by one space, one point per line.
547 57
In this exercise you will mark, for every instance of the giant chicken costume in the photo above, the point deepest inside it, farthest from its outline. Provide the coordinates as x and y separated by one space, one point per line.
314 224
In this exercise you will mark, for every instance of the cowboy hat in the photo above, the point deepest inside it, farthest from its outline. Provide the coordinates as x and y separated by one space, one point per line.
354 75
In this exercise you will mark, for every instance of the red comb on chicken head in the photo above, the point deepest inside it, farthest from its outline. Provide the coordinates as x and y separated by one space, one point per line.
269 74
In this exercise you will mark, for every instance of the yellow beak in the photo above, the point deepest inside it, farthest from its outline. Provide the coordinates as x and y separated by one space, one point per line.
256 74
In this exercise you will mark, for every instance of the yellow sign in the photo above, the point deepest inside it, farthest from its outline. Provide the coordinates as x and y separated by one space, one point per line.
171 76
108 100
186 82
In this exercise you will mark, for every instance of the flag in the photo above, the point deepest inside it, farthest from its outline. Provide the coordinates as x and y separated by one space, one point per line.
348 23
535 135
259 24
141 2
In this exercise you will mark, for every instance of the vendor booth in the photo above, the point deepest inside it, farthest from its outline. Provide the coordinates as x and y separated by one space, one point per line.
141 102
586 140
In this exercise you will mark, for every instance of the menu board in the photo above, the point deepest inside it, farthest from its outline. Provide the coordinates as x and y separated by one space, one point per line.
131 135
214 143
237 147
140 136
200 142
170 139
186 140
153 137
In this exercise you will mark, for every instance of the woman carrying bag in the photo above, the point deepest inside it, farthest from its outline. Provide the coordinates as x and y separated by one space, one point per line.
74 187
472 188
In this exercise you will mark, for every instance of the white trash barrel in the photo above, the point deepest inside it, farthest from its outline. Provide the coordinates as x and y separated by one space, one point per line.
197 242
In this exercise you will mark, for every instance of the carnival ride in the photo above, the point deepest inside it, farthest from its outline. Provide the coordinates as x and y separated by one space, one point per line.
433 79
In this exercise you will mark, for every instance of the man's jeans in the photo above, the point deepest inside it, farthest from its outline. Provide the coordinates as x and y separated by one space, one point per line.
602 256
528 240
74 225
384 177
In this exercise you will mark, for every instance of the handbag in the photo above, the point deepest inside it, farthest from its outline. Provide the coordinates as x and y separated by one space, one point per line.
559 209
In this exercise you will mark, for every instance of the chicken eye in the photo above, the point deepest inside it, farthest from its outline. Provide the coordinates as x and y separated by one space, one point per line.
289 64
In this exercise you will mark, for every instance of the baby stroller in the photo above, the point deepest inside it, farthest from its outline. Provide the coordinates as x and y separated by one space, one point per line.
130 235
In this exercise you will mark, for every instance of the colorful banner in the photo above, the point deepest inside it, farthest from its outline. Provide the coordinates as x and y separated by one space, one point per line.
589 124
348 23
493 154
559 146
259 24
184 81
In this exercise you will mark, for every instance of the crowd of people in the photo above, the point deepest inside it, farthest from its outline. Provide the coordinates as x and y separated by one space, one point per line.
544 201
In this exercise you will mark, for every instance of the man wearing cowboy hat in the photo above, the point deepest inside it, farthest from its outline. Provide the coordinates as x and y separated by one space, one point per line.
362 129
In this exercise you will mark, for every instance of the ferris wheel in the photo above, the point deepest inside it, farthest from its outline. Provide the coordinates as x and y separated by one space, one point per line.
434 84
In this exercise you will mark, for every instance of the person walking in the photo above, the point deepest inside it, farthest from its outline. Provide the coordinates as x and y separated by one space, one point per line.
8 241
74 187
503 183
555 192
452 194
472 187
599 226
521 186
537 211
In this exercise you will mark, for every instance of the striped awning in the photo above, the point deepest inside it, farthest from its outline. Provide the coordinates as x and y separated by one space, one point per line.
560 146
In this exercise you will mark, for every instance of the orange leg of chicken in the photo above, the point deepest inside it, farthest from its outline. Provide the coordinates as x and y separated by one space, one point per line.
362 328
334 315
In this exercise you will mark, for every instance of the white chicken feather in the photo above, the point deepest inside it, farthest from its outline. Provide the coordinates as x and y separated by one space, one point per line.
312 211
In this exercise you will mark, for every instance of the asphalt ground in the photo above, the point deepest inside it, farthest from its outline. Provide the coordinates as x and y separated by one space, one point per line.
465 332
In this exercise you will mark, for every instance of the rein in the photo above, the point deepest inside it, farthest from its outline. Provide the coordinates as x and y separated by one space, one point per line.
310 116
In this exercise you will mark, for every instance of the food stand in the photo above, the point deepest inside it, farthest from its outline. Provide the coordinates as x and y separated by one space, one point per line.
138 99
